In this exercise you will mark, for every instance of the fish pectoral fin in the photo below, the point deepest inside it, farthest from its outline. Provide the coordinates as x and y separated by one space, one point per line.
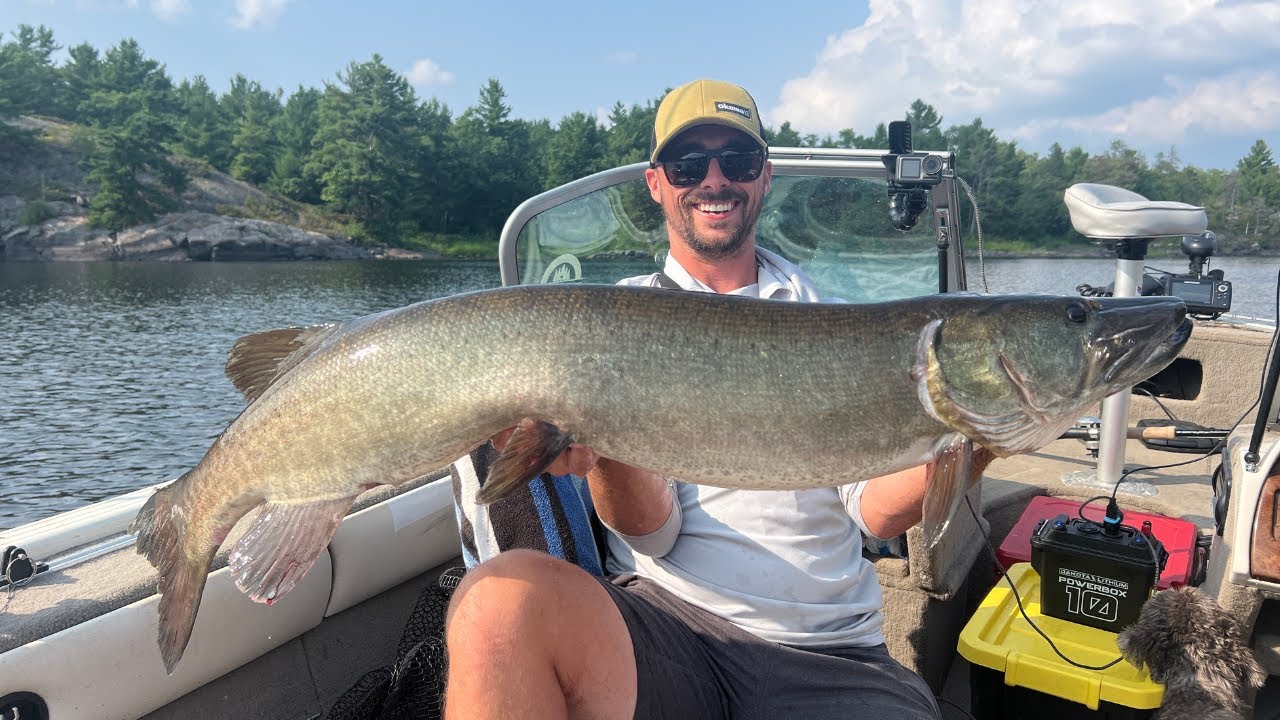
533 446
953 474
258 360
282 544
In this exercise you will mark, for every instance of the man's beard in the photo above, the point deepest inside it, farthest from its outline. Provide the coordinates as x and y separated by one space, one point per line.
707 247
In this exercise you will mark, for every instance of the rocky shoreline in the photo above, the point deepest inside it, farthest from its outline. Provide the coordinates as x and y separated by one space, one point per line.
199 235
176 237
209 222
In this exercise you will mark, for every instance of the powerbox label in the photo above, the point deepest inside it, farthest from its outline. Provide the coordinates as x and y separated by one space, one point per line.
1092 596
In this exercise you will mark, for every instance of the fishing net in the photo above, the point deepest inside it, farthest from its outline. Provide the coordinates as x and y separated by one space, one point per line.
412 686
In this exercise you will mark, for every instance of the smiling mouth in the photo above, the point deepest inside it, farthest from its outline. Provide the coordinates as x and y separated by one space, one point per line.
715 208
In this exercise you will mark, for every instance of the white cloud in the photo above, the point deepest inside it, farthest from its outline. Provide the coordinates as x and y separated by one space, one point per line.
170 9
426 72
1240 103
257 12
1170 66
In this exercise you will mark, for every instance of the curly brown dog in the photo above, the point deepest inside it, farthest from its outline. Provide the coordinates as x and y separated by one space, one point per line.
1194 648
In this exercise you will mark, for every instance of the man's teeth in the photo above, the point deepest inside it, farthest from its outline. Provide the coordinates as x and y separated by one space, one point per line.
716 207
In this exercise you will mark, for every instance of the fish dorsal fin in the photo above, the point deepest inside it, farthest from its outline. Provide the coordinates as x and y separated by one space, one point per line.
258 360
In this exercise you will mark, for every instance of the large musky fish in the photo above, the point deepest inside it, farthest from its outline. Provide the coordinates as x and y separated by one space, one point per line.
707 388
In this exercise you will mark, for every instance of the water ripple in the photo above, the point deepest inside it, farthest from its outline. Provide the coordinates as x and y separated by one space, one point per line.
111 374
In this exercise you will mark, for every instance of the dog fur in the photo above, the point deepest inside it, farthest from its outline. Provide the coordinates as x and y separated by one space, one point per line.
1194 648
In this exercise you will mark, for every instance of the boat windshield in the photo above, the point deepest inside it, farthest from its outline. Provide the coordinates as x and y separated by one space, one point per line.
836 228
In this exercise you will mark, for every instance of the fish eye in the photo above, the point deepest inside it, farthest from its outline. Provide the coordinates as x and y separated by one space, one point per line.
1076 313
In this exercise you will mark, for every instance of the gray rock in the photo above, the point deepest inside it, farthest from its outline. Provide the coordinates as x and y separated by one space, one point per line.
174 237
197 231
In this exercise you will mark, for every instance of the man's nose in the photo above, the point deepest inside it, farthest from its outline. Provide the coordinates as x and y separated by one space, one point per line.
715 177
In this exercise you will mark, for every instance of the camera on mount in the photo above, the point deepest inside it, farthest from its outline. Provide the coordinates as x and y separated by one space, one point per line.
1204 293
911 174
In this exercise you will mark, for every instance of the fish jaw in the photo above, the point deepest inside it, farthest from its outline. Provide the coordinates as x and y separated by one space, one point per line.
1132 338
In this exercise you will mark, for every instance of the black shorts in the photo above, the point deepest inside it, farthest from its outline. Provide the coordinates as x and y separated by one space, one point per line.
693 664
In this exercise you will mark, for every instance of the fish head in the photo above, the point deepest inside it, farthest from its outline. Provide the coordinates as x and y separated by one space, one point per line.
1014 372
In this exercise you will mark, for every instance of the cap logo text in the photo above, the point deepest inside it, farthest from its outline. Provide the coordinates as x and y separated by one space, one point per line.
722 106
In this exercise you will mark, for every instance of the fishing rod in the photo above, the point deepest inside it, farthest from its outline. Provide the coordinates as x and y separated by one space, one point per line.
1148 432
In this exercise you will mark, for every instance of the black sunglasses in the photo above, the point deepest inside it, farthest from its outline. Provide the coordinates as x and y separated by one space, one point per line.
737 165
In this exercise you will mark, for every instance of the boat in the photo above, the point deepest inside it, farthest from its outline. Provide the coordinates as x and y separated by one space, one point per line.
77 638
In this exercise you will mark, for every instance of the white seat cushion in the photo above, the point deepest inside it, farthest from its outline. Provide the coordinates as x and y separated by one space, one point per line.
1107 212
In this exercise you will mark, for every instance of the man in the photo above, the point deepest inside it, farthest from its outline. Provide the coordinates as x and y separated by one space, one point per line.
724 603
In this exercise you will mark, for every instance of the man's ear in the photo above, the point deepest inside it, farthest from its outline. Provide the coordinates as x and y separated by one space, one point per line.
651 179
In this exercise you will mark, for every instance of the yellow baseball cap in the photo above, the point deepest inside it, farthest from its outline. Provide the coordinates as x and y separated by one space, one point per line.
705 102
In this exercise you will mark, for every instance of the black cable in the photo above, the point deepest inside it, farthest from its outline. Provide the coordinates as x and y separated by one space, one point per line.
1152 395
941 699
1268 388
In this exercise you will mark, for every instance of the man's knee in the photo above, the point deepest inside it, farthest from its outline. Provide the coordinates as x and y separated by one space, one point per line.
514 592
536 618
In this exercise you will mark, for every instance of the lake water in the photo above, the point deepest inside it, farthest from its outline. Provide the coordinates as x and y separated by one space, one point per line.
111 373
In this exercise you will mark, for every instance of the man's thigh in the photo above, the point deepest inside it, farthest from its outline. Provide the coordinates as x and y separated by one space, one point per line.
690 663
844 683
675 674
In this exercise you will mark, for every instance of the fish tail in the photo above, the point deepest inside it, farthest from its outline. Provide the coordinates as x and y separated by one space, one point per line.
161 538
532 448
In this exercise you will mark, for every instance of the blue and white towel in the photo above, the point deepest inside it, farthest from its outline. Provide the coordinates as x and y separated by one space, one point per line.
553 514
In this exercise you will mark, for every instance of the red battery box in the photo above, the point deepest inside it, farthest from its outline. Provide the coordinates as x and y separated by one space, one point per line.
1177 536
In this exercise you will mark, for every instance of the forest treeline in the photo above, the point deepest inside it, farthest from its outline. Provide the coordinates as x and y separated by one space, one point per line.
388 166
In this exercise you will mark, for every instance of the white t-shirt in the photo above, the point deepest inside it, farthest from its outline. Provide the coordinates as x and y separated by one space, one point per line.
784 565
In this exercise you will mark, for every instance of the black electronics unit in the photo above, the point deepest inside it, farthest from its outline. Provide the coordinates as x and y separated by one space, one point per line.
1205 295
1094 574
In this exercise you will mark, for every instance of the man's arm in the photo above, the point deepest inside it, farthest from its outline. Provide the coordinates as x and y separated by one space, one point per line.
629 500
891 504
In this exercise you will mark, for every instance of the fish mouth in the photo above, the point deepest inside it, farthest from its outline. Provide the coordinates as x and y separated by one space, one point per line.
1180 335
1139 337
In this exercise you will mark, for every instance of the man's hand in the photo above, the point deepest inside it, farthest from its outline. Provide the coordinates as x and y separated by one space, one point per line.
575 460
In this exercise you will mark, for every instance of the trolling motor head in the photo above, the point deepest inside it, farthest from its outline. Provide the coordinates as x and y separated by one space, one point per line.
1199 248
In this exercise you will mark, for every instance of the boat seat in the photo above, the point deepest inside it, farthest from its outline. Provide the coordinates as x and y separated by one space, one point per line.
1106 212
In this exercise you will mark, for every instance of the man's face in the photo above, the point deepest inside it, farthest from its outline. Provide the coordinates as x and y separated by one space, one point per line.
715 217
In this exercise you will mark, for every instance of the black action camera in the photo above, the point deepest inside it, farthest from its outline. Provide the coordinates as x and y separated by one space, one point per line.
911 174
908 169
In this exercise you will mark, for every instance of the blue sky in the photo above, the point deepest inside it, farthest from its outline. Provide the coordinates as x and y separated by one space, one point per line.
1199 77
